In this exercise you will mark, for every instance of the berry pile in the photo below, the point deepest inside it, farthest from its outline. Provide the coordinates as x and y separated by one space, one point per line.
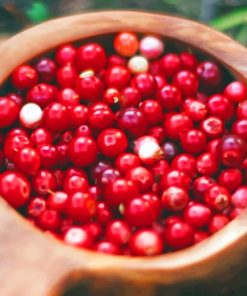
136 152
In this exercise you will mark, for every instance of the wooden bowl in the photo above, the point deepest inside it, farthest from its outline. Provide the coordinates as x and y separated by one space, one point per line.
34 264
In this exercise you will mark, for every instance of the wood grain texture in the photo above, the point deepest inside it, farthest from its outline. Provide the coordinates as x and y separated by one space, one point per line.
33 264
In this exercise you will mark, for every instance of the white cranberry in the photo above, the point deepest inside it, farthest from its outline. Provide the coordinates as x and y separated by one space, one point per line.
151 47
30 115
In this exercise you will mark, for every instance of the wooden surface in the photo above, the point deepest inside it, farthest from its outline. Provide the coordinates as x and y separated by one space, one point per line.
36 265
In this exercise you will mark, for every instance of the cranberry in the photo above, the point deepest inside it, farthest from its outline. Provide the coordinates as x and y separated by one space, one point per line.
159 169
195 110
66 76
142 177
111 96
169 96
14 188
58 201
16 98
213 127
179 235
197 215
152 111
174 199
232 150
81 207
42 94
74 184
41 136
218 222
78 115
187 82
65 54
126 44
130 97
185 163
46 69
28 161
117 77
49 156
146 243
240 128
9 111
91 56
170 150
176 123
109 175
89 88
236 91
231 179
103 213
116 60
49 220
107 248
133 121
84 131
98 169
200 236
82 151
100 119
212 146
210 75
145 83
158 133
36 207
43 182
161 82
239 197
219 106
207 164
188 61
13 144
218 198
175 178
201 185
24 77
126 161
68 97
118 232
170 64
120 191
193 141
78 237
241 110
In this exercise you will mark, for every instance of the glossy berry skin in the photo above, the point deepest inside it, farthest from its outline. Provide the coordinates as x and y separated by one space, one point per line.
218 198
126 44
14 188
81 207
142 177
170 150
48 155
97 170
89 88
239 197
174 199
193 141
213 127
169 96
112 142
36 207
49 220
116 60
152 111
210 75
185 163
220 106
129 97
160 168
9 111
58 201
201 185
177 123
24 77
133 121
78 237
117 77
236 91
109 175
16 97
43 182
42 94
232 150
55 117
188 61
40 136
107 248
90 56
111 96
195 110
68 97
103 213
13 145
65 55
231 179
127 161
100 119
187 82
175 178
82 151
145 83
120 191
78 115
241 110
46 69
170 64
151 47
28 161
74 184
240 128
146 242
217 223
197 215
207 164
118 232
179 235
158 133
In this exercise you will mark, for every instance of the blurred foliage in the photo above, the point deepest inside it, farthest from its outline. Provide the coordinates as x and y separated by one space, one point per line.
229 16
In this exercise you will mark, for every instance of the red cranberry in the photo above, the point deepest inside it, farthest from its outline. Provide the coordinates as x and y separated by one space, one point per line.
49 220
197 215
43 182
146 243
240 128
46 69
58 201
14 188
28 161
42 94
126 161
115 60
185 163
13 144
152 111
158 133
176 123
175 178
212 146
9 111
81 207
219 106
193 141
99 168
213 127
207 164
84 131
36 207
218 198
210 75
107 248
130 97
169 96
111 96
41 136
187 82
100 119
120 191
68 97
117 77
201 185
16 98
118 232
94 229
109 175
91 56
159 169
78 115
195 110
66 76
231 179
239 197
236 91
188 61
179 235
142 177
241 110
160 80
24 77
170 64
55 117
174 199
89 88
65 54
103 213
232 150
145 83
133 121
78 237
74 184
218 222
73 171
49 156
170 150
